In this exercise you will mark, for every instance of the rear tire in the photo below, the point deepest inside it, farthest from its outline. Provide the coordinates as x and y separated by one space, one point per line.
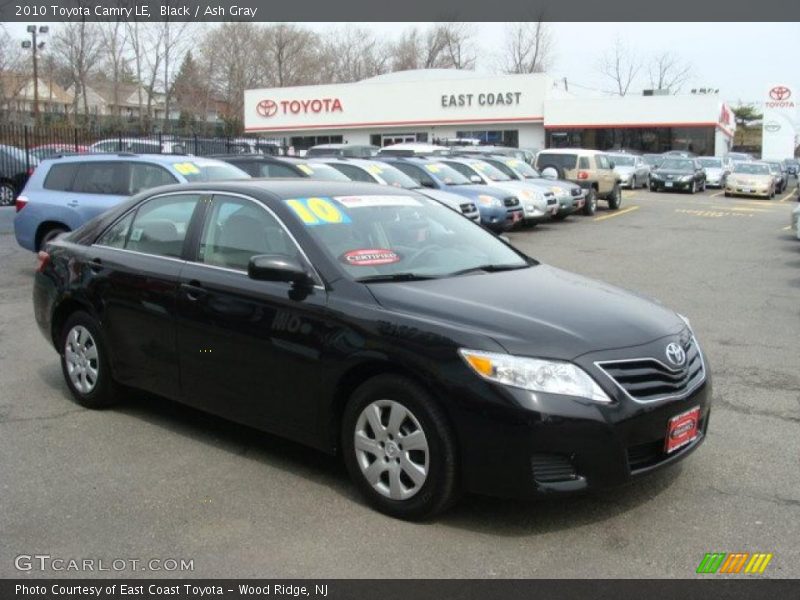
384 414
615 199
590 205
8 193
84 362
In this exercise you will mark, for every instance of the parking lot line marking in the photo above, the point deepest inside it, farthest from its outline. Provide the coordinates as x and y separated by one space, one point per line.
787 228
717 194
616 214
786 197
761 203
742 208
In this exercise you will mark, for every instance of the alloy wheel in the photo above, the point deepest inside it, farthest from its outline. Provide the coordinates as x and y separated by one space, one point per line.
391 449
83 365
7 194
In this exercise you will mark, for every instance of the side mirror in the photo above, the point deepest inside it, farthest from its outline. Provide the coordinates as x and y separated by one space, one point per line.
428 183
611 164
475 179
278 267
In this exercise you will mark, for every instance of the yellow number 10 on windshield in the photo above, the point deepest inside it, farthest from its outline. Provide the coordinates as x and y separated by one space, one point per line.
316 211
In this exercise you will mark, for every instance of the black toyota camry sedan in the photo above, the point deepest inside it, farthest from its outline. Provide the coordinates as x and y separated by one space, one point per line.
375 323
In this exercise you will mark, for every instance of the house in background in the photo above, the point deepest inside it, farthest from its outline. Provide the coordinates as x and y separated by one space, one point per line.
17 95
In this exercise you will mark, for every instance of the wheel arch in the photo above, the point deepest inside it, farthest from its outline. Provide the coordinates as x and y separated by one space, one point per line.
44 227
359 374
63 312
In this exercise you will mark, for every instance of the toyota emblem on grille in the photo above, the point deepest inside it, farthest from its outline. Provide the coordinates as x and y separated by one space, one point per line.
676 354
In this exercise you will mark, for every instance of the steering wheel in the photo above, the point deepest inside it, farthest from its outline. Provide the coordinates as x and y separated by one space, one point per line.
412 260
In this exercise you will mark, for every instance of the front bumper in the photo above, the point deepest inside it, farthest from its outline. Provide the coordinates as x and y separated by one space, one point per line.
670 185
758 191
570 204
545 444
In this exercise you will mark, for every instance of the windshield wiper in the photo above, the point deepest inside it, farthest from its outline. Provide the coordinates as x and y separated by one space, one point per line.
488 269
394 277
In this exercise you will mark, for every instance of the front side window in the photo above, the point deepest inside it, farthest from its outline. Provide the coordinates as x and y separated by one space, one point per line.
602 162
207 170
161 224
236 230
116 235
355 173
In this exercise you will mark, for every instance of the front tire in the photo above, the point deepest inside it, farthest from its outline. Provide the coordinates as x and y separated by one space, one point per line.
84 362
590 205
399 449
615 199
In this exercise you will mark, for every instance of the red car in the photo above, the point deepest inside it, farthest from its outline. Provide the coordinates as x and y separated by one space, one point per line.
49 150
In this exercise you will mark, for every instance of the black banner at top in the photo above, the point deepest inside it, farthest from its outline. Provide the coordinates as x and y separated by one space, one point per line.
407 10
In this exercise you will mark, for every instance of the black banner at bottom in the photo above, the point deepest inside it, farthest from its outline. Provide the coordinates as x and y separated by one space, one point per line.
397 589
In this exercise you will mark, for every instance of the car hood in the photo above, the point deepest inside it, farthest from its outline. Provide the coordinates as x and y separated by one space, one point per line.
454 201
538 311
713 171
672 173
624 170
473 190
754 178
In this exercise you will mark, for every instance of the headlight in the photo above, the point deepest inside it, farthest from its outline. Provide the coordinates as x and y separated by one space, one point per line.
534 374
686 178
655 176
526 194
489 201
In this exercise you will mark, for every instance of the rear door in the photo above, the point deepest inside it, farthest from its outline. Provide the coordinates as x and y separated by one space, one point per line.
98 185
606 176
134 270
248 348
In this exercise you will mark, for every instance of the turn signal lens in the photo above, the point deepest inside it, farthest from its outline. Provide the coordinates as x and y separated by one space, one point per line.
481 364
583 175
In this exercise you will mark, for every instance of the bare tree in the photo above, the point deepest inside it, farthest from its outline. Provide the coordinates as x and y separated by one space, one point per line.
621 66
667 71
176 41
528 48
232 68
10 62
352 54
77 44
290 55
443 46
114 39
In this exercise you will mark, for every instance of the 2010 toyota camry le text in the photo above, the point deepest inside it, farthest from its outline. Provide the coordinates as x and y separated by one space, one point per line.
375 323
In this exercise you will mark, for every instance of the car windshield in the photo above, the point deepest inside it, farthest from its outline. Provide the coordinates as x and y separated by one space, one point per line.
677 164
774 167
322 171
652 159
445 173
396 237
206 170
523 168
751 168
620 160
489 171
710 163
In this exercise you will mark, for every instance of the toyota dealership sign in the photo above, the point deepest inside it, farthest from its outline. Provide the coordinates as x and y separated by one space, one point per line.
778 131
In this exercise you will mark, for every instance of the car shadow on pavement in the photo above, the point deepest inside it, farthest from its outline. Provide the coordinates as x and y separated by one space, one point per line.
496 516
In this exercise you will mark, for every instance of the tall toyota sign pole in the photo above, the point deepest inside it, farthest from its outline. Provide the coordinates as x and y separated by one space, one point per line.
778 129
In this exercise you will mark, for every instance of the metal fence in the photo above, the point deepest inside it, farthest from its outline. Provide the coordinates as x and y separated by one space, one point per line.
34 143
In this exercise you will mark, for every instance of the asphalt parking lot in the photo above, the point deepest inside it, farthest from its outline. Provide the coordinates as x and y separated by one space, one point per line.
151 479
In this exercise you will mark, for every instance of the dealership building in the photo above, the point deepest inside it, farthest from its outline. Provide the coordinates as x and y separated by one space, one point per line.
526 111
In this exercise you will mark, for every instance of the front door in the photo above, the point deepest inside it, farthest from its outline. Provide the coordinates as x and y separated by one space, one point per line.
248 348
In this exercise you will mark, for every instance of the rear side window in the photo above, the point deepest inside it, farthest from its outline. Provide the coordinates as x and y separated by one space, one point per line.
583 162
96 177
602 161
564 161
416 174
60 177
160 225
117 234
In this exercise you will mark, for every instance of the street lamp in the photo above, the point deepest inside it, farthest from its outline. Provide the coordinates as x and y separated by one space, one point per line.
35 45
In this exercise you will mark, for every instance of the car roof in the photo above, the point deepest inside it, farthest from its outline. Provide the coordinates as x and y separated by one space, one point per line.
106 156
347 160
570 151
285 188
336 146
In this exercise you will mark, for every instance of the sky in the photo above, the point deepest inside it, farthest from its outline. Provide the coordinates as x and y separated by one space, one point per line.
742 60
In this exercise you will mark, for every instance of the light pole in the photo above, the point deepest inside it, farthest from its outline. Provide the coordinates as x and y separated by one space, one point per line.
35 46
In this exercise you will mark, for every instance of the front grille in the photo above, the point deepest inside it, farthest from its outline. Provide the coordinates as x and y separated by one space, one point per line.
648 379
549 468
511 201
576 191
551 201
467 208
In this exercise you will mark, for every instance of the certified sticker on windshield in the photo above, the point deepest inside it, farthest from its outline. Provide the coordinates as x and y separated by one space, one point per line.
373 201
186 168
370 257
306 169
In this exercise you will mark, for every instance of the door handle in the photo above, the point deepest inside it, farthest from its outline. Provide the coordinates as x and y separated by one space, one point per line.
72 203
193 290
96 265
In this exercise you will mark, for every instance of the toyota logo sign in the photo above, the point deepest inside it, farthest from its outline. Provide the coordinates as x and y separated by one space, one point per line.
675 354
780 92
267 108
